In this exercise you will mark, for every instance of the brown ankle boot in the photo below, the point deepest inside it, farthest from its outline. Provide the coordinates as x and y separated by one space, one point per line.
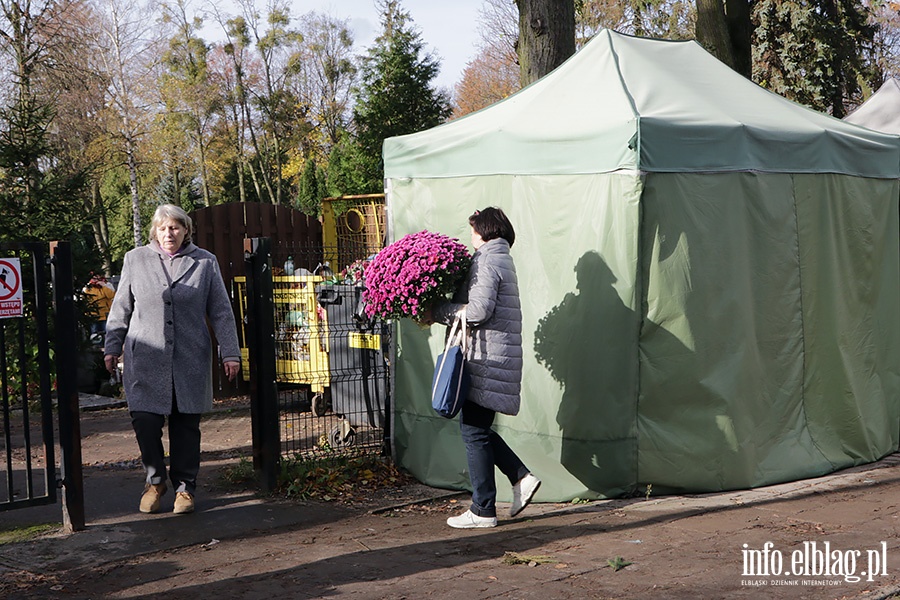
152 494
184 503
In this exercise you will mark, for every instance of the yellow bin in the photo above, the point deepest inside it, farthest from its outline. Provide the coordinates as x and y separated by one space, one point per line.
301 331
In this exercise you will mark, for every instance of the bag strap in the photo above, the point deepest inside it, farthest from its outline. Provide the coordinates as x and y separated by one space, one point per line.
464 340
458 326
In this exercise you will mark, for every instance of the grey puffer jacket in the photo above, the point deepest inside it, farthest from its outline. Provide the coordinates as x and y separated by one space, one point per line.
494 316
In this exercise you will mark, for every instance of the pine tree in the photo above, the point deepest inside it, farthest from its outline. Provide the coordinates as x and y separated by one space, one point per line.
308 199
39 198
395 96
321 183
188 196
815 52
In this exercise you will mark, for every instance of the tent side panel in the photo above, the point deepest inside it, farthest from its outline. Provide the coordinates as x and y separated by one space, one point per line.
850 277
721 344
576 257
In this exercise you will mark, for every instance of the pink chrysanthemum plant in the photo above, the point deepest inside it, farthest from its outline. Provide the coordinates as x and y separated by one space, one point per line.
355 272
416 271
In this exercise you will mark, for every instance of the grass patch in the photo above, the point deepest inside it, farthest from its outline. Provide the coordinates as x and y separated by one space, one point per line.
28 532
344 479
240 474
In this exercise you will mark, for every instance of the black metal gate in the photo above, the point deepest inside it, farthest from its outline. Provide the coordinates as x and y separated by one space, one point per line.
318 370
30 279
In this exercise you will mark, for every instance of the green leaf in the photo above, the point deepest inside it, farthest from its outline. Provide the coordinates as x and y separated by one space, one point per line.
618 563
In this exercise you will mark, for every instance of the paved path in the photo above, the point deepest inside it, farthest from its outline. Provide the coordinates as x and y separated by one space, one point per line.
240 546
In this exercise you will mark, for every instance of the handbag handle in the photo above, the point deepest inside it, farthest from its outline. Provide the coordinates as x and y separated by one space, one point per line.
458 326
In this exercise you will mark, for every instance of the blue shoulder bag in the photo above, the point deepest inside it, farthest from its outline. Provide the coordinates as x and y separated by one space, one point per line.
451 379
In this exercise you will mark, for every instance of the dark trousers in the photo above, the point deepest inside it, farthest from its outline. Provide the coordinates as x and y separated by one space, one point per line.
485 449
184 447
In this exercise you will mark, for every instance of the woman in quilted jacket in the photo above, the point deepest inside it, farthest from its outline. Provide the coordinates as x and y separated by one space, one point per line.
490 298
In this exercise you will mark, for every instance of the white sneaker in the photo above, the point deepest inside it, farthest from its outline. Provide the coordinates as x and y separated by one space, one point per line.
523 492
469 520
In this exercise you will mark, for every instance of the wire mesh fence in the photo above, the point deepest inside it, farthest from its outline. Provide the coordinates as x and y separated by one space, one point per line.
331 366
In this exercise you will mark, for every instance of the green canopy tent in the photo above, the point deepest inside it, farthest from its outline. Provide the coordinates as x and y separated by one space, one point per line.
881 111
709 277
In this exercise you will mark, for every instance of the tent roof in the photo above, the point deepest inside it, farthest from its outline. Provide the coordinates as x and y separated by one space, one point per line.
881 111
623 102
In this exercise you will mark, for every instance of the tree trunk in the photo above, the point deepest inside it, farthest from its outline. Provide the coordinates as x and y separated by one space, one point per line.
135 197
737 15
259 159
176 183
835 93
546 36
712 30
239 114
201 146
276 145
239 149
724 28
100 227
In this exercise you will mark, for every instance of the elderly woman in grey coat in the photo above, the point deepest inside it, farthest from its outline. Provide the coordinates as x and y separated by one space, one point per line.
490 299
168 290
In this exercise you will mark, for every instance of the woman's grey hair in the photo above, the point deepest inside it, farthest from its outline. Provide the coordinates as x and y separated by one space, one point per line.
165 212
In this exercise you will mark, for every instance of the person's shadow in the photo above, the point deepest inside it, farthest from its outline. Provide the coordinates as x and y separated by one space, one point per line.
589 344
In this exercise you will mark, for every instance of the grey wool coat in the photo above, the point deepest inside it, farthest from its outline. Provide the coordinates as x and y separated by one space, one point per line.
494 316
158 322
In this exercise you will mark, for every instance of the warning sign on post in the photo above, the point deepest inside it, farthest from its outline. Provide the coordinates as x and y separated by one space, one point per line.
10 288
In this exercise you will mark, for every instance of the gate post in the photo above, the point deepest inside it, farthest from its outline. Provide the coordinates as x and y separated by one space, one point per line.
261 348
72 479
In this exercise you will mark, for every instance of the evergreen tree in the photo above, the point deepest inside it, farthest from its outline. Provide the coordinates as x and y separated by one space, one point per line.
395 96
815 52
309 200
39 198
345 167
321 183
188 196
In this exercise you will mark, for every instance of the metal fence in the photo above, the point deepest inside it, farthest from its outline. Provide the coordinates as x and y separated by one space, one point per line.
37 316
28 449
320 366
221 229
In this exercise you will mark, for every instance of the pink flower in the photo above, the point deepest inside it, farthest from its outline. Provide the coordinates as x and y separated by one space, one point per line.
413 273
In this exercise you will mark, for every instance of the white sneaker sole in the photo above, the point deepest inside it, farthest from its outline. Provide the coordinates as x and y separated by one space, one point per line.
472 525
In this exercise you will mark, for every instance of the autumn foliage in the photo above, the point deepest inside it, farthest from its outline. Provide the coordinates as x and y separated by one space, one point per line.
488 78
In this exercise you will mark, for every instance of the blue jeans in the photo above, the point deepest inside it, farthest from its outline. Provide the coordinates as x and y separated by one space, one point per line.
485 449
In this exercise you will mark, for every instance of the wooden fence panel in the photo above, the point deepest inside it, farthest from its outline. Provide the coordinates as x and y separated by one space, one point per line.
252 221
221 229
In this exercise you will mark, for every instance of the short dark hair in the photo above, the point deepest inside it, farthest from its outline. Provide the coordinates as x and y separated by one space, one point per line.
492 223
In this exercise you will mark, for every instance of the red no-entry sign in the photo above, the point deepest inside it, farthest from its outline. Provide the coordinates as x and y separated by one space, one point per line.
10 288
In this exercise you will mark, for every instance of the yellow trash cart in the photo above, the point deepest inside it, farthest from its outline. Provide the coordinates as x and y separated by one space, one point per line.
301 335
